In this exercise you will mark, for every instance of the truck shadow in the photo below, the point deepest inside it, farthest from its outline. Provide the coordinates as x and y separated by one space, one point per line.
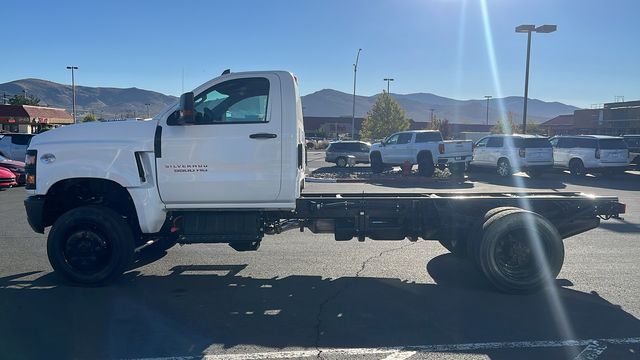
195 309
626 181
621 226
547 181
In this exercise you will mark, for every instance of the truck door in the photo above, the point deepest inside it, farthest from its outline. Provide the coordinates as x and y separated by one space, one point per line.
231 155
480 152
405 148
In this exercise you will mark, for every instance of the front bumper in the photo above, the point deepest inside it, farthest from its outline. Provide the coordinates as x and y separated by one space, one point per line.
35 212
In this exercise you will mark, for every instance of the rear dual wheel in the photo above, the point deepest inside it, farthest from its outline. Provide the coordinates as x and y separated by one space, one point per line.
520 251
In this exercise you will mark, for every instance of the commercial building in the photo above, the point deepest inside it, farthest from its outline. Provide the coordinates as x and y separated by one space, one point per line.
31 119
618 118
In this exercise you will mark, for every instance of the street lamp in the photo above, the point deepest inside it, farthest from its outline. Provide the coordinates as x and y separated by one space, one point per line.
148 113
488 97
388 80
353 117
73 89
529 29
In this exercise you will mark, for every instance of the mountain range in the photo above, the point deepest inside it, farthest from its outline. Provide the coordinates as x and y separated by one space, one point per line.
132 102
104 102
418 107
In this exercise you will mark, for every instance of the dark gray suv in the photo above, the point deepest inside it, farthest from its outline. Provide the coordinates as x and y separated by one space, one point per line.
338 152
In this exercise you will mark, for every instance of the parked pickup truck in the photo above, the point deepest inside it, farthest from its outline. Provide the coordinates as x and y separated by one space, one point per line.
226 165
423 147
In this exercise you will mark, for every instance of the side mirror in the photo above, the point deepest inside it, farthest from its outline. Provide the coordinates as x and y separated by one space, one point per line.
187 108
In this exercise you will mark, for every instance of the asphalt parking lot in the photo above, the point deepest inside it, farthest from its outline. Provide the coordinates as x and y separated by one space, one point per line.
304 296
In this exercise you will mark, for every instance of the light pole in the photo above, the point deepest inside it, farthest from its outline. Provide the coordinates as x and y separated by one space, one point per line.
388 80
353 116
529 29
488 97
73 89
432 110
148 114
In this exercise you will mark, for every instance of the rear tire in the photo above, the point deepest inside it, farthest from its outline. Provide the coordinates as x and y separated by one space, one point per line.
520 252
425 165
576 167
376 163
457 170
504 168
341 162
90 245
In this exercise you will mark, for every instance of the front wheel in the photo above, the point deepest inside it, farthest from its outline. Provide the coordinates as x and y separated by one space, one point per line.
576 168
341 162
376 163
90 245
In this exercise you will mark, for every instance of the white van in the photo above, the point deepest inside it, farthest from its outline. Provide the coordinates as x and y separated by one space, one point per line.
513 153
584 154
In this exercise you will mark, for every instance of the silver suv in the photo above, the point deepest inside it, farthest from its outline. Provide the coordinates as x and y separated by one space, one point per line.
512 153
339 151
584 154
14 146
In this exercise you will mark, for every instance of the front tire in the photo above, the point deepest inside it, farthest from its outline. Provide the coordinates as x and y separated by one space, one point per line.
576 168
90 245
341 162
376 163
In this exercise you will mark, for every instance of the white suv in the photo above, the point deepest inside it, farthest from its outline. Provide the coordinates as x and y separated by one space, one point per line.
590 153
512 153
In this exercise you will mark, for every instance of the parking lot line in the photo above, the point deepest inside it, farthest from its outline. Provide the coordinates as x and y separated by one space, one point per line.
595 347
592 351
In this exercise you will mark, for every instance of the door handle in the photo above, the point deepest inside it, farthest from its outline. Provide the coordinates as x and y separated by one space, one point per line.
263 136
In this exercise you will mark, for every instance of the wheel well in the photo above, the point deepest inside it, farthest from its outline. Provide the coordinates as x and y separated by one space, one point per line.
505 159
375 154
573 160
423 154
71 193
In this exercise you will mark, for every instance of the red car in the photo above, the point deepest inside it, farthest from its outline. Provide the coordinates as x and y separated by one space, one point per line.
16 167
7 179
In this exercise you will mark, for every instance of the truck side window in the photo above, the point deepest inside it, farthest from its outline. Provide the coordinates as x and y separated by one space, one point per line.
495 142
405 138
482 142
392 140
234 101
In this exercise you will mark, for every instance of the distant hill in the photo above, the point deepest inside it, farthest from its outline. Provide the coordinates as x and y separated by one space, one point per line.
418 106
102 101
117 102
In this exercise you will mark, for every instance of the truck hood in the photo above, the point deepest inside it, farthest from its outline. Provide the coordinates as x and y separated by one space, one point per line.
119 133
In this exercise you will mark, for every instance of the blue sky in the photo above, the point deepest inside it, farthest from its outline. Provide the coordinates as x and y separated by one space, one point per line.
437 46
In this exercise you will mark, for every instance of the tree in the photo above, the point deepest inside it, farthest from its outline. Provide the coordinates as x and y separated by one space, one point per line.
89 117
24 100
385 117
506 127
441 125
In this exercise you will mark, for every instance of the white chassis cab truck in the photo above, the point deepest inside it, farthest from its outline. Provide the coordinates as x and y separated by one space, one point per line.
226 165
